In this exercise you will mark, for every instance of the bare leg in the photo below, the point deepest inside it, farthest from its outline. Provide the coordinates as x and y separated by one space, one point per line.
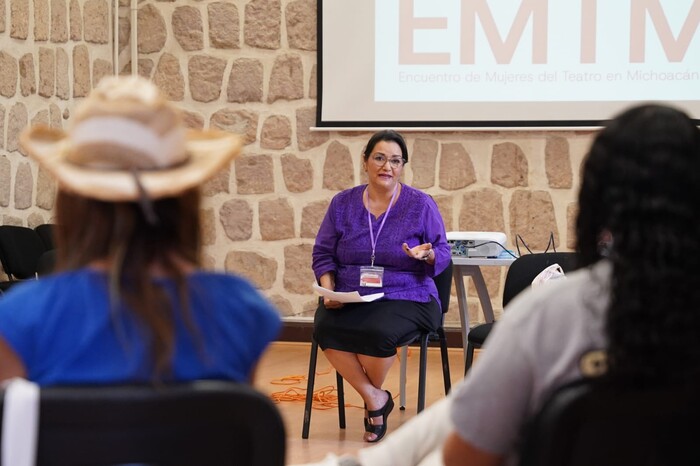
366 374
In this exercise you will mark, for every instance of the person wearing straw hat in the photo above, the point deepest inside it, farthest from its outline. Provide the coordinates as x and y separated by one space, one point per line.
129 302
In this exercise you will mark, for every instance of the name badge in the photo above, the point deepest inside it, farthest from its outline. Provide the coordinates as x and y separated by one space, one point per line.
371 276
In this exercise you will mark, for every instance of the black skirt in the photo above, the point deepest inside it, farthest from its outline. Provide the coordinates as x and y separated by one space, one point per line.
376 328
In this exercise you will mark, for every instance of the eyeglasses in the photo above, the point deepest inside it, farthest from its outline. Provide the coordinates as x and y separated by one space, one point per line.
380 159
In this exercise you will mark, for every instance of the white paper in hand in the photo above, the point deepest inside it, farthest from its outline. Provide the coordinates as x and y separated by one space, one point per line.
346 297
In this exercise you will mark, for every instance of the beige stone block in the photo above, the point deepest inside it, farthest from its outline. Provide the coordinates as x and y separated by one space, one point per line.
257 268
300 16
445 205
100 69
236 216
492 277
47 71
245 82
482 210
55 116
287 79
45 190
571 217
338 168
2 16
75 20
168 77
557 163
193 120
124 33
508 165
81 71
307 139
532 216
188 28
16 122
152 30
276 132
19 19
35 219
8 74
456 167
207 226
24 185
254 174
298 173
206 75
41 20
311 217
27 76
262 24
62 74
313 83
5 181
217 184
276 219
2 126
224 25
59 21
243 122
12 220
298 275
41 118
423 162
281 304
96 20
146 67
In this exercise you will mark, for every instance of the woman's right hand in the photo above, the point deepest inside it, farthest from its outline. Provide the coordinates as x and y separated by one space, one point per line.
331 303
327 280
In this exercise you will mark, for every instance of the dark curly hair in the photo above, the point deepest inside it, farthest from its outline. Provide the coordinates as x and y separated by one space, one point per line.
641 186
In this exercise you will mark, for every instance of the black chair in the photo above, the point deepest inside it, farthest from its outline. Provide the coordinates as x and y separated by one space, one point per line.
46 264
443 282
20 248
592 423
519 277
46 232
202 423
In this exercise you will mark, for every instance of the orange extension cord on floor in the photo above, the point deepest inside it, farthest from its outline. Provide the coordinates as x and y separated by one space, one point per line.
323 398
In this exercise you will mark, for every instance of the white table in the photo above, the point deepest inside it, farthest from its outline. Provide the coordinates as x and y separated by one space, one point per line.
471 267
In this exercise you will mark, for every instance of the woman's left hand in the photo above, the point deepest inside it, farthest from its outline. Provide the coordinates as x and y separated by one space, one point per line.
422 252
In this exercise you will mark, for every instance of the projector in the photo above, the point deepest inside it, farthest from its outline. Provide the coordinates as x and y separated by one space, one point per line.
476 243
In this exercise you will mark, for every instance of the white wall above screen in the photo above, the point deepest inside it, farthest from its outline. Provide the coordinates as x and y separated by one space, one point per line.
503 63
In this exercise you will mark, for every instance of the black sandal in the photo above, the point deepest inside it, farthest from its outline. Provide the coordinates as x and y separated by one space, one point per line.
384 412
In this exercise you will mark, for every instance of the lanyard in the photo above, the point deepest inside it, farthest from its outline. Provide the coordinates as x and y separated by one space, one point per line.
373 240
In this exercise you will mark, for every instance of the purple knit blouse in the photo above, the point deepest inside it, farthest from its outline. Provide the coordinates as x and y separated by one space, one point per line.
343 244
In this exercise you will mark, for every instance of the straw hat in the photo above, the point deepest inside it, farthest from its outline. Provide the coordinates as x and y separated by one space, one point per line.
126 142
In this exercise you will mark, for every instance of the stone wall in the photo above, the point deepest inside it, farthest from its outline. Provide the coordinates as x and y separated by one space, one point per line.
249 66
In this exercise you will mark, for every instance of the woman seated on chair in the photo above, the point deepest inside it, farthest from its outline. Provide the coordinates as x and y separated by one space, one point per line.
130 302
380 237
632 313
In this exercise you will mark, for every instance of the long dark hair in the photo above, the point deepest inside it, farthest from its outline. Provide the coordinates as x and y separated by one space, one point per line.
641 187
90 230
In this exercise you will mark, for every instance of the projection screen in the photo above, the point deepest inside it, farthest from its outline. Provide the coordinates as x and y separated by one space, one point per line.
503 63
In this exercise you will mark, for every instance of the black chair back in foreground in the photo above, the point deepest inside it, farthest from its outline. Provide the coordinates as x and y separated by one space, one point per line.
46 233
589 423
202 423
20 248
519 277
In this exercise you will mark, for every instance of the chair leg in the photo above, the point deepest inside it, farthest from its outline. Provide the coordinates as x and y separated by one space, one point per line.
341 400
469 359
310 389
402 378
445 361
422 371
